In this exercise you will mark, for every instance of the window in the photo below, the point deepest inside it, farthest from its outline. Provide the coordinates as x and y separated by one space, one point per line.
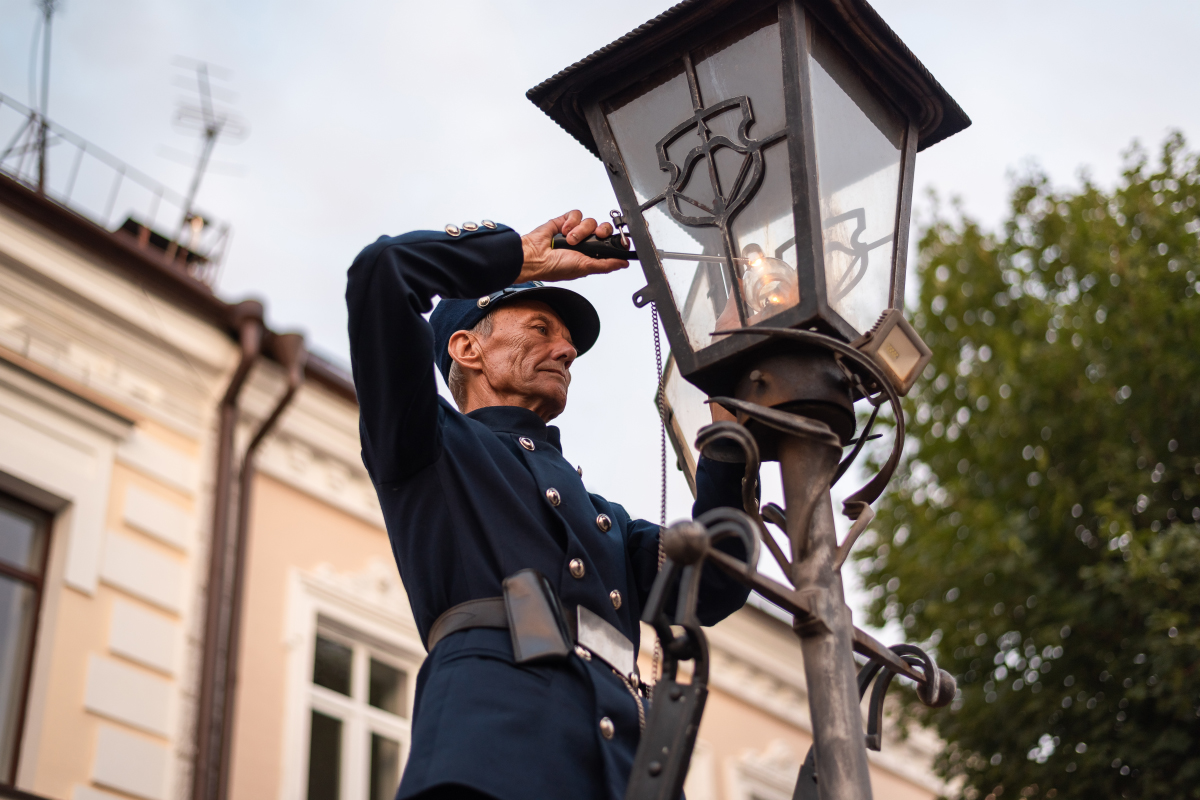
359 717
24 532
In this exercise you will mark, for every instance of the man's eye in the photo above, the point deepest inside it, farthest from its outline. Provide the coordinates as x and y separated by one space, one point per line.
542 330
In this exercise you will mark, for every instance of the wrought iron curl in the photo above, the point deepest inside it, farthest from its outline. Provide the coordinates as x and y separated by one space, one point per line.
860 366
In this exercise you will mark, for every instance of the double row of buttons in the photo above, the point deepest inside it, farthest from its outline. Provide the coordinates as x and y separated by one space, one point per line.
603 521
578 571
455 230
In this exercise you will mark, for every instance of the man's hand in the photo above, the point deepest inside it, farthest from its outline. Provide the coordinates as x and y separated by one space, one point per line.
544 264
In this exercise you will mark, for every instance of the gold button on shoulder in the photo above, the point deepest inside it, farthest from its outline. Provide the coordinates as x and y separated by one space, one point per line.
527 443
487 223
607 729
604 523
615 596
470 226
453 230
553 496
580 471
583 653
576 567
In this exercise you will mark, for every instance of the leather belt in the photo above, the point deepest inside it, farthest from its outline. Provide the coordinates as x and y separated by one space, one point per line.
591 631
486 613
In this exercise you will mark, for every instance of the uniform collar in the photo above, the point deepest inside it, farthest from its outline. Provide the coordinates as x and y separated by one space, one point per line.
520 421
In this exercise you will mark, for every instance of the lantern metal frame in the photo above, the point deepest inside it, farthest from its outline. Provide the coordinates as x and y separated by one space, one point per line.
576 98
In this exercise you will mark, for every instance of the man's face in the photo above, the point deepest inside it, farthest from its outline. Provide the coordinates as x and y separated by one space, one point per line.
527 359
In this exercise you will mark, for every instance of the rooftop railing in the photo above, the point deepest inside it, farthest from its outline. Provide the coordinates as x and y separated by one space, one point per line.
95 184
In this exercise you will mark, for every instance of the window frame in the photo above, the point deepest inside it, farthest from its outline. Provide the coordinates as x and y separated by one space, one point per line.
44 520
368 604
358 717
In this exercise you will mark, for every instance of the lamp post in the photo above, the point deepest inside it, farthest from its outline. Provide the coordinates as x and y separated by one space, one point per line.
763 156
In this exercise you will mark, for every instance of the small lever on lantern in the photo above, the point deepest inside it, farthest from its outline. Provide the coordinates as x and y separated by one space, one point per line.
595 248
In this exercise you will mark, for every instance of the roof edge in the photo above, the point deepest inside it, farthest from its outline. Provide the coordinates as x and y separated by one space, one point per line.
121 253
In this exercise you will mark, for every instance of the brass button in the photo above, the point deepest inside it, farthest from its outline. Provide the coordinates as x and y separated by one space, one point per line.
487 223
580 471
607 729
615 596
604 523
527 443
582 652
553 496
576 567
453 230
470 226
483 302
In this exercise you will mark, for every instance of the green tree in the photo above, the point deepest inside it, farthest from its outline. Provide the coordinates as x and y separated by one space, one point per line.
1045 538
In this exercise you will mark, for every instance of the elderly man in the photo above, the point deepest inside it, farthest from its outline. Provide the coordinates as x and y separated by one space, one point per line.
489 523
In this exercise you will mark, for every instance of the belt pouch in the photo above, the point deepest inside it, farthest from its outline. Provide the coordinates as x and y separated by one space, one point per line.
535 618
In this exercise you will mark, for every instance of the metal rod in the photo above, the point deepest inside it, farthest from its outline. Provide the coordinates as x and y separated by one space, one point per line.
74 174
668 256
826 640
112 198
48 10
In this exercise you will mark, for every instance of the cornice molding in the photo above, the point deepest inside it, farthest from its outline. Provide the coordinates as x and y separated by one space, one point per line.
321 475
373 593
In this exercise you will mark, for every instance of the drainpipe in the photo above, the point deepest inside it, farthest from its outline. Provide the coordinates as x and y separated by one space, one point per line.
248 320
289 351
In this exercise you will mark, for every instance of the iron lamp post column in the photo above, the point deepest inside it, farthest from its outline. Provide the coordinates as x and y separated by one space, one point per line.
826 638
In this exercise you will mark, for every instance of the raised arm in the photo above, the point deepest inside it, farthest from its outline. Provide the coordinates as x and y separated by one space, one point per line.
392 283
389 287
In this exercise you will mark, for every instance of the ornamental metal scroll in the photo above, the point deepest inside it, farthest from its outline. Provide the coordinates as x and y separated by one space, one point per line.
726 204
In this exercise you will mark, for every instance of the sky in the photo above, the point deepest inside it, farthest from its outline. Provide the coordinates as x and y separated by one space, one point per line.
370 118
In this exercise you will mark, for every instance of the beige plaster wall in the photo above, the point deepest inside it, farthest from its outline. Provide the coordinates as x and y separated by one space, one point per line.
66 730
288 529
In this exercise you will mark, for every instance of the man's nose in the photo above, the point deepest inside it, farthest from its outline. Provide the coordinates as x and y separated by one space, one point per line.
564 351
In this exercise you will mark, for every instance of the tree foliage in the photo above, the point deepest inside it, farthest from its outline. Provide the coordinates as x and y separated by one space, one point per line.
1046 536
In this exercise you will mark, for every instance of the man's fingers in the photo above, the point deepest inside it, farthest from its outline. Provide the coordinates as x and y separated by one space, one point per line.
581 231
569 220
604 231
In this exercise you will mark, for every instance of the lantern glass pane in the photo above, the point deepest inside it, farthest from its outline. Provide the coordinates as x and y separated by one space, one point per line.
746 61
859 143
700 286
705 151
688 414
643 114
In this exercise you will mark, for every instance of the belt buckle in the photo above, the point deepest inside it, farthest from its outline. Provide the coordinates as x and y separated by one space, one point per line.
605 642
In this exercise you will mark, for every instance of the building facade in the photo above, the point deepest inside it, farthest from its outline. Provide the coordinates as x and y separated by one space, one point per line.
115 367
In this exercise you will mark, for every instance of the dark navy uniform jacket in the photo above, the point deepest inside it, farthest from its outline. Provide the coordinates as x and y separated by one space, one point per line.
465 505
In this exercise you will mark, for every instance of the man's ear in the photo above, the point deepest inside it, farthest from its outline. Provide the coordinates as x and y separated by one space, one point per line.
464 349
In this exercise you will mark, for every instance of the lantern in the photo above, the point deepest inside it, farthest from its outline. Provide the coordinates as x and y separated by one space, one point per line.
763 157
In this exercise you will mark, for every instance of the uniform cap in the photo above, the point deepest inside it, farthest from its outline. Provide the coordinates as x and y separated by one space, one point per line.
453 315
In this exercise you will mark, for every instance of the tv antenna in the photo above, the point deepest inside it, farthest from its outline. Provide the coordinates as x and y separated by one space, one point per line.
47 7
211 122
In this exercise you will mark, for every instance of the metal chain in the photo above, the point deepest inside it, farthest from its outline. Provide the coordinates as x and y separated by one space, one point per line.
637 698
662 509
662 431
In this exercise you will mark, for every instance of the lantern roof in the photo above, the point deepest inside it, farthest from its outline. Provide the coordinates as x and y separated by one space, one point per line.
854 24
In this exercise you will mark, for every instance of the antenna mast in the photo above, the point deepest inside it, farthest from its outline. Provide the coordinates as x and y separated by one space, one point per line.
211 123
47 7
